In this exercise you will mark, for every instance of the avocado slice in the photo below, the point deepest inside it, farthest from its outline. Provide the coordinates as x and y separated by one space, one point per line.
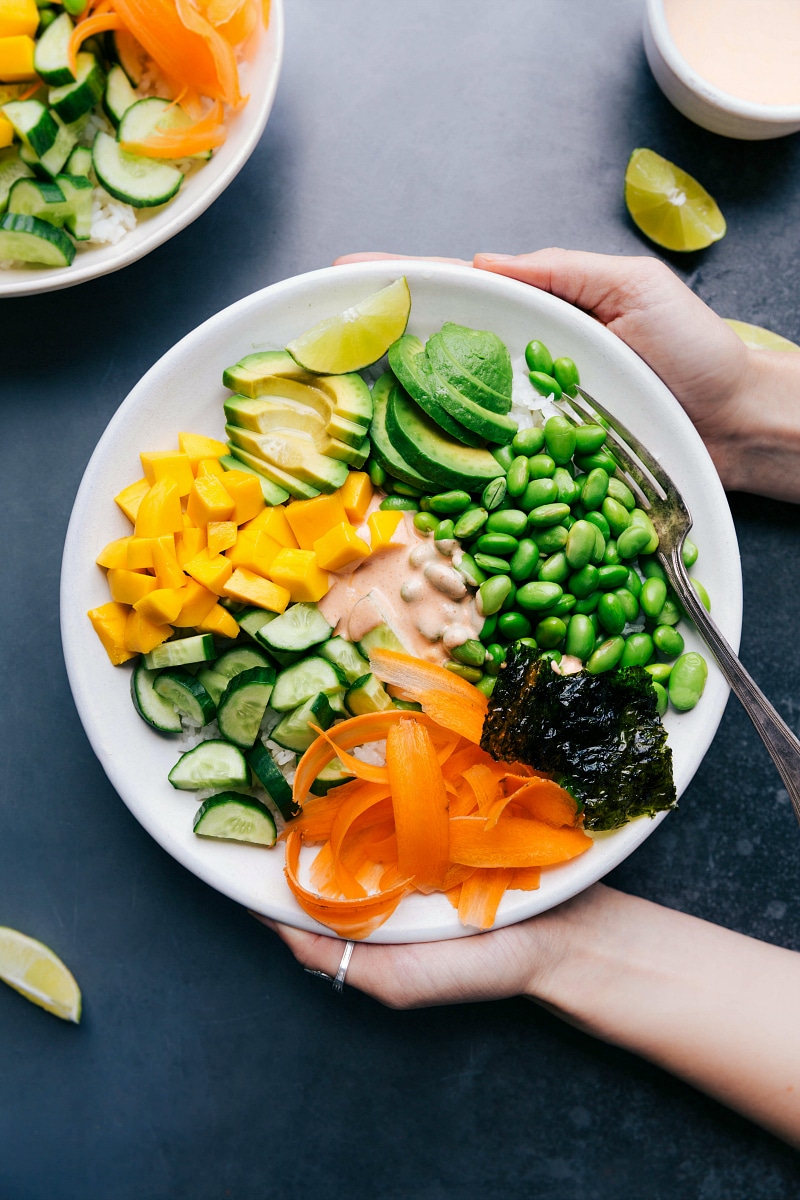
410 364
481 354
443 362
383 451
493 426
250 373
261 414
282 479
295 454
350 395
444 460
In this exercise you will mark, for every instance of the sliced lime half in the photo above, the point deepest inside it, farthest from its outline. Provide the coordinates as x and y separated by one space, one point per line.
38 974
357 337
669 206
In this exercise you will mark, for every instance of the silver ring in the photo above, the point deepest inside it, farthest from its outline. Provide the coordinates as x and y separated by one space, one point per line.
338 981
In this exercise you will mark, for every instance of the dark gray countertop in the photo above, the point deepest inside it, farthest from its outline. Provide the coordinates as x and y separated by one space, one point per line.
207 1064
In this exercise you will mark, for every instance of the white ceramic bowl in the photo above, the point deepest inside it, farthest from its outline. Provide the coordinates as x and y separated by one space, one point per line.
183 391
700 100
200 189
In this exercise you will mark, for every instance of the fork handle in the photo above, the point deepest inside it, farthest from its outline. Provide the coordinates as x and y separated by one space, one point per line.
783 746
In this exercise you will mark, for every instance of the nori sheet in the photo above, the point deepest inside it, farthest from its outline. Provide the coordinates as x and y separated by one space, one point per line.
600 735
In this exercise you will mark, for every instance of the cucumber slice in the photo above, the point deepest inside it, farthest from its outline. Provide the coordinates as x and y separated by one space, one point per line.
236 818
367 695
141 182
37 199
33 124
152 115
254 622
241 658
48 164
119 96
334 775
294 731
77 99
27 239
336 701
187 694
243 704
273 495
150 706
382 637
198 648
210 764
214 683
50 57
78 192
300 627
12 168
305 679
344 655
79 162
272 779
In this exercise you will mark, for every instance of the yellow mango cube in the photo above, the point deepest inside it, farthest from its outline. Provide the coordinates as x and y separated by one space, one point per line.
340 547
310 519
299 572
131 497
169 573
115 554
383 530
245 491
189 544
273 521
161 606
6 131
357 493
211 570
140 554
256 551
142 635
160 511
198 446
209 501
109 622
16 58
254 589
168 464
221 536
219 621
210 466
18 16
197 604
127 587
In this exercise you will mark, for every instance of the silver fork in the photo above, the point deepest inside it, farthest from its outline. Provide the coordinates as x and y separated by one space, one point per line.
667 509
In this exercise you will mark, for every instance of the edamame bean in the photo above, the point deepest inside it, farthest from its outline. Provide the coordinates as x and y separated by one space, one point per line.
376 473
471 653
668 641
640 518
508 520
616 514
594 490
405 489
610 613
689 554
550 540
638 650
539 595
551 632
653 596
545 384
494 494
662 699
611 554
568 522
585 604
510 601
602 459
492 593
471 674
497 544
530 642
449 503
528 441
565 371
651 568
609 578
470 523
514 625
425 522
633 583
687 681
538 357
525 560
470 572
445 531
599 547
584 582
551 656
517 476
538 491
597 519
606 656
563 607
492 564
554 569
399 504
631 541
504 455
546 515
580 636
559 437
581 542
424 504
659 671
702 593
621 492
670 614
589 438
495 657
488 629
486 685
541 466
567 490
629 603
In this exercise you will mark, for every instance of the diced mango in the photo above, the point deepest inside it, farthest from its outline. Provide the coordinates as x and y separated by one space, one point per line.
253 589
127 587
140 554
211 570
256 551
273 521
340 547
169 573
131 497
210 466
189 544
221 536
115 554
142 635
168 464
18 16
198 603
16 58
299 572
219 621
383 530
245 491
310 519
198 446
109 622
357 494
6 131
161 606
160 511
209 501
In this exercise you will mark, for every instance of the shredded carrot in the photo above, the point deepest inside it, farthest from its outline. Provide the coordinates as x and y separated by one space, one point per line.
101 23
205 134
513 842
420 805
481 894
542 799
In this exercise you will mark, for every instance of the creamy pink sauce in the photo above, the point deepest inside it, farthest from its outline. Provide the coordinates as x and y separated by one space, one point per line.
412 587
747 48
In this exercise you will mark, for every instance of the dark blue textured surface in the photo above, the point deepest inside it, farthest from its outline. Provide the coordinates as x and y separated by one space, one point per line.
207 1064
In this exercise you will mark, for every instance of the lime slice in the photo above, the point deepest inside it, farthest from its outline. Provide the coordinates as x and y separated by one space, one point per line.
669 206
758 338
357 337
32 969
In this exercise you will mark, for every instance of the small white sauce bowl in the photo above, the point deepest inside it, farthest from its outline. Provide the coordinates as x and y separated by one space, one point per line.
699 100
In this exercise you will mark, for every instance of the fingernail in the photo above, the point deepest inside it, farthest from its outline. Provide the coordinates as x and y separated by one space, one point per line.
494 257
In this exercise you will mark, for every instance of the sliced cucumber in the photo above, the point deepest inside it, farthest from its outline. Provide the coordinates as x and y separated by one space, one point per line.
243 704
272 494
12 168
300 627
37 199
305 679
336 701
241 658
78 98
79 162
119 96
50 57
197 648
294 731
334 775
78 192
253 620
48 164
187 694
214 683
153 115
27 239
141 182
382 637
236 818
367 695
273 781
150 706
33 124
344 655
210 764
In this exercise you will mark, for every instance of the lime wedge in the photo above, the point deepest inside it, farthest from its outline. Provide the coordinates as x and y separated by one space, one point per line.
669 206
758 338
357 337
38 974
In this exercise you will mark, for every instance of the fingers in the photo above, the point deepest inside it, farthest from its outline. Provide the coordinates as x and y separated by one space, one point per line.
376 255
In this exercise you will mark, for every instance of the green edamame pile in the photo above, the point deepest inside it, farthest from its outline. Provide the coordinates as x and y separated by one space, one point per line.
561 555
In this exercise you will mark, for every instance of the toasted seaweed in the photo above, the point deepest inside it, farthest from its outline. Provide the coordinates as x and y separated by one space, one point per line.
600 735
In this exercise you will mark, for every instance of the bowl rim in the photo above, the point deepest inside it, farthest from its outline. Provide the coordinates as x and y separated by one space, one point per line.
774 114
